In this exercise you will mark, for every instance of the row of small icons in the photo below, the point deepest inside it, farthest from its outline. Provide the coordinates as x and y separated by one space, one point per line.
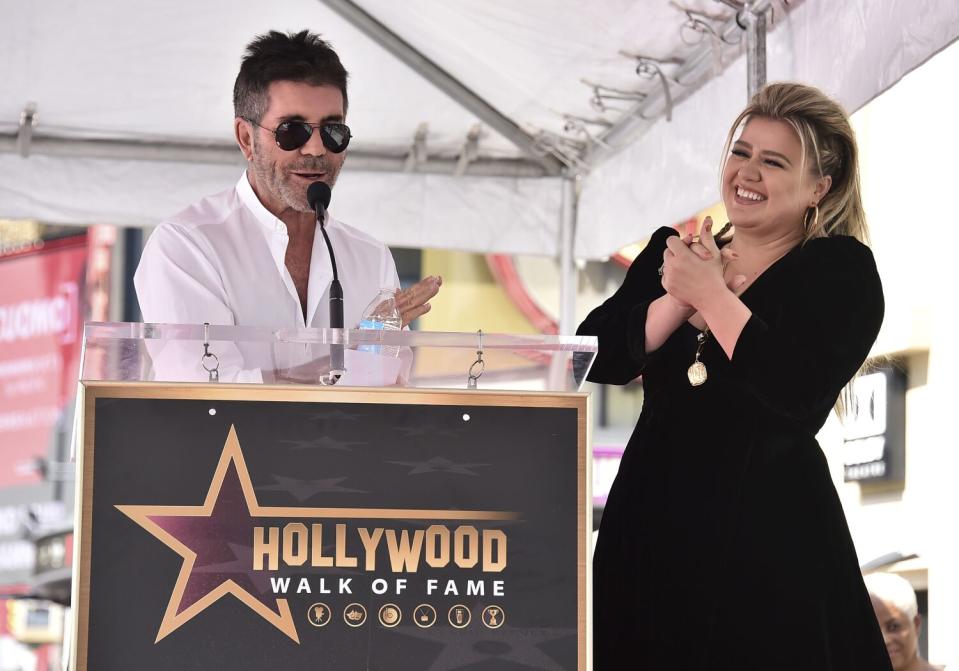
390 615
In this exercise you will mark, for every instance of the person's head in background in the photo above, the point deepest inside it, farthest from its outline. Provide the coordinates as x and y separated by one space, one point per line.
896 608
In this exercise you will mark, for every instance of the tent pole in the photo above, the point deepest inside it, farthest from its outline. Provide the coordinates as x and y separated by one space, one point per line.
755 48
567 267
443 80
179 151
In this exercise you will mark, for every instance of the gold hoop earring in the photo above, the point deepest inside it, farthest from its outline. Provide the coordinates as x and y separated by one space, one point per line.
815 220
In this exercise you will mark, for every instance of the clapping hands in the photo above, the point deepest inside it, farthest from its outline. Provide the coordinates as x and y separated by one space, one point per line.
694 270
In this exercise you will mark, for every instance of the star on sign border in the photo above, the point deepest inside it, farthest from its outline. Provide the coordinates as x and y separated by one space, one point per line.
172 620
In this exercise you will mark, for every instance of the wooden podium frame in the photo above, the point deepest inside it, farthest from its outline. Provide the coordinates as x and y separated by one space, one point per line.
260 394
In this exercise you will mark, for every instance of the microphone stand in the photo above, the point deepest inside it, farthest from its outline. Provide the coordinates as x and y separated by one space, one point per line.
337 367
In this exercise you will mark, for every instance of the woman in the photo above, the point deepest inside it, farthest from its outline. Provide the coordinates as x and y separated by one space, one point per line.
897 609
723 544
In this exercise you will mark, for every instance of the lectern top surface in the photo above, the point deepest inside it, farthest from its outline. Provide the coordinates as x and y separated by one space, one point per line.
137 352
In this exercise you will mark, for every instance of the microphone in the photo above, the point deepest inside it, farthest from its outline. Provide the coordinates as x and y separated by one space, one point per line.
318 195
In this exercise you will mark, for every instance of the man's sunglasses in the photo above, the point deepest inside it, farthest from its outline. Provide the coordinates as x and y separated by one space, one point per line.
292 135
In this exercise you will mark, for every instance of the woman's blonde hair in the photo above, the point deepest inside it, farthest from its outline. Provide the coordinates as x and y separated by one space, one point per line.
828 144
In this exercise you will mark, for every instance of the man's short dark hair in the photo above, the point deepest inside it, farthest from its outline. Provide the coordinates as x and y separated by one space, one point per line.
274 56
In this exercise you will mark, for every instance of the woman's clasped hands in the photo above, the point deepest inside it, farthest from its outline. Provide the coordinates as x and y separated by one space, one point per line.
694 270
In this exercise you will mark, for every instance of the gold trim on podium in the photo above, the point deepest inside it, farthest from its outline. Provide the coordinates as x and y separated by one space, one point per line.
91 391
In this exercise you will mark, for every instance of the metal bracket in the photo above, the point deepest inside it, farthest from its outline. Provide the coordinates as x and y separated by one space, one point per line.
418 153
470 150
209 360
28 120
578 125
697 27
568 150
649 68
602 93
477 367
575 122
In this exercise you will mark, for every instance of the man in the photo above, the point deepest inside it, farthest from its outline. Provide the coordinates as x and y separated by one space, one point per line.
894 601
252 255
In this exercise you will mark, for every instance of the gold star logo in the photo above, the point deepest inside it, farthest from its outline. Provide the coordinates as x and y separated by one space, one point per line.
185 529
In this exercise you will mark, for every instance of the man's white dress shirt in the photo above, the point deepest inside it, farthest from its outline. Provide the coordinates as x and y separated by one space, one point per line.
223 261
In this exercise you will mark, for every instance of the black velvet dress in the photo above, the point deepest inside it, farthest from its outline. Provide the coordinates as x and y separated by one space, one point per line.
723 544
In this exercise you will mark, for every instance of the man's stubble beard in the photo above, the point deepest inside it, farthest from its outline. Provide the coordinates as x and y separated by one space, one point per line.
276 181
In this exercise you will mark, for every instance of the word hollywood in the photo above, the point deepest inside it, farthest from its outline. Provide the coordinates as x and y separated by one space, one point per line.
296 544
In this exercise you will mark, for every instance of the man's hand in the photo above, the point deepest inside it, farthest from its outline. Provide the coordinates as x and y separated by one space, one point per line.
412 302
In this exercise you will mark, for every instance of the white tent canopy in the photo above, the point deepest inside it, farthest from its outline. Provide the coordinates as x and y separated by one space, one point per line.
134 114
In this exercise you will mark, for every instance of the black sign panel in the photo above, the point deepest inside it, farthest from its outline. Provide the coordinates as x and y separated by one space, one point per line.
250 528
874 429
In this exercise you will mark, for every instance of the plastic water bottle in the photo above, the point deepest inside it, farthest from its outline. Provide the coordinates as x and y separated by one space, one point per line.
382 315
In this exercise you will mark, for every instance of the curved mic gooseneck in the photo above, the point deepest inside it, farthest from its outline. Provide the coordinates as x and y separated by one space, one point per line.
318 195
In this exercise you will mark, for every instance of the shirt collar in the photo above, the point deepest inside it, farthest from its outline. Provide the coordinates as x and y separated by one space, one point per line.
267 219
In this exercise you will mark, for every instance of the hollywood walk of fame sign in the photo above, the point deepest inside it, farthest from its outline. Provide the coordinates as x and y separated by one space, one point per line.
450 531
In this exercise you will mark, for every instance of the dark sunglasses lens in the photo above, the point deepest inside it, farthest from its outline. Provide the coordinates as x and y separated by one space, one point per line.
336 136
292 135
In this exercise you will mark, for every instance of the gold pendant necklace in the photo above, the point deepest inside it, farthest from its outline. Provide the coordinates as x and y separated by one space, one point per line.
697 372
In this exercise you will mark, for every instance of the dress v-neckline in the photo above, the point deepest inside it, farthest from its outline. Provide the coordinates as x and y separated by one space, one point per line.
760 276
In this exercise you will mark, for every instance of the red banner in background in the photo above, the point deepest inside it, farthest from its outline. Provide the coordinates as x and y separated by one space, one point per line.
41 320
